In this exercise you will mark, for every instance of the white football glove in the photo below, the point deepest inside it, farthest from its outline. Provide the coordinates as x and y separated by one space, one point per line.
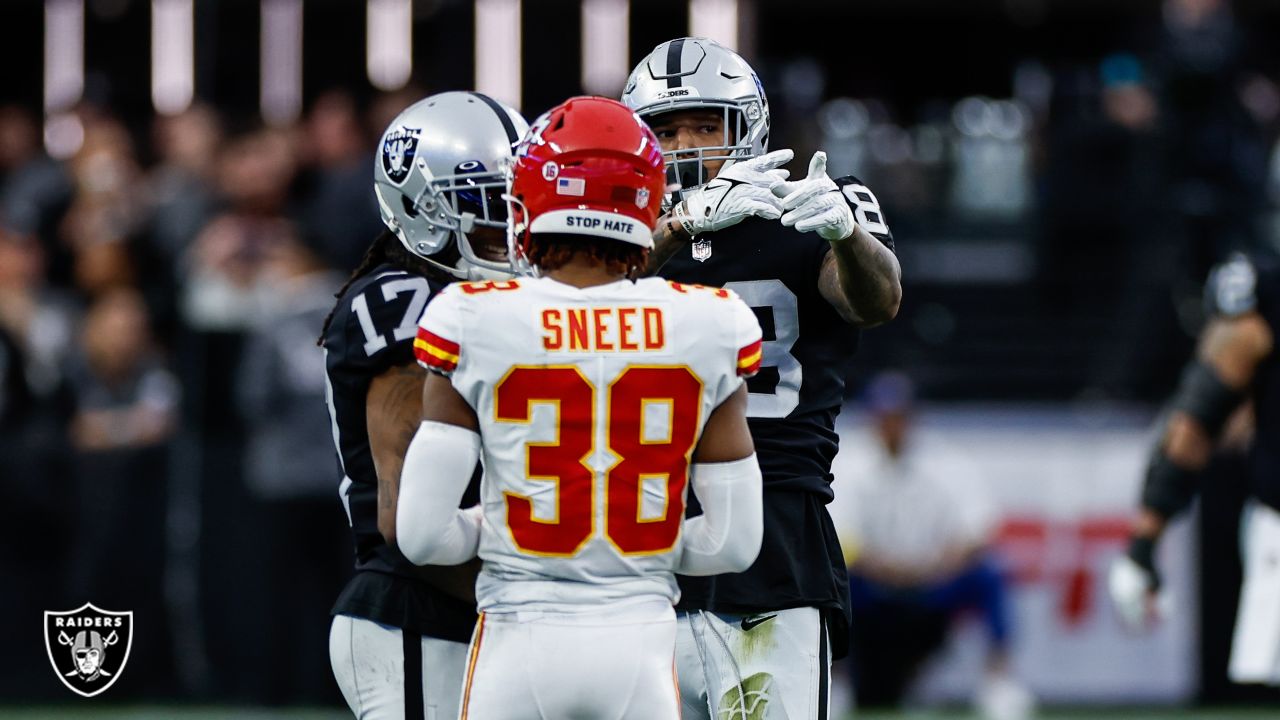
816 203
1134 594
740 191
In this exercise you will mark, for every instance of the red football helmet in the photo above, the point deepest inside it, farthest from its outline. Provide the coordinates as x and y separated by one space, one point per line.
589 166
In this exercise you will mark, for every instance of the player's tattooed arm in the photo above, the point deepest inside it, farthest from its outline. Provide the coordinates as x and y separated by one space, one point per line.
393 409
861 279
1208 397
668 237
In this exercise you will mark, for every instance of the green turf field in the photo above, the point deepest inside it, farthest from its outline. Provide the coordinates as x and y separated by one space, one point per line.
86 711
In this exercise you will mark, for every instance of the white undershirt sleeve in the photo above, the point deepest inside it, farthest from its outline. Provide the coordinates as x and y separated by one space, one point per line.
430 529
725 538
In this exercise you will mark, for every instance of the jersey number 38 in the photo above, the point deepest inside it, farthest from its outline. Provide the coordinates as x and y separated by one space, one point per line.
641 458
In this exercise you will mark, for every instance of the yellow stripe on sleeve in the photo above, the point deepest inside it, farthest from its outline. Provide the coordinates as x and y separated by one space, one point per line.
434 351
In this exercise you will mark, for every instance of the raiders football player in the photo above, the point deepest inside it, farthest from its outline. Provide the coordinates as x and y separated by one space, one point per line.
814 259
1236 361
399 636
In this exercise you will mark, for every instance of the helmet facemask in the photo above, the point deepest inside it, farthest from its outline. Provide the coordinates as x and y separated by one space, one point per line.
743 137
459 204
518 236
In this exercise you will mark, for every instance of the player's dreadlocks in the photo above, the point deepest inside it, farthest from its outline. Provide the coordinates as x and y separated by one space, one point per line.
386 248
550 251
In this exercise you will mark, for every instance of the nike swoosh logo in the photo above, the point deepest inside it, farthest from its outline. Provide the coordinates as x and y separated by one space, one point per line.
748 623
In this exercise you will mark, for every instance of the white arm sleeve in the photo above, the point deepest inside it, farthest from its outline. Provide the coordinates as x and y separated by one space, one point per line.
726 537
430 529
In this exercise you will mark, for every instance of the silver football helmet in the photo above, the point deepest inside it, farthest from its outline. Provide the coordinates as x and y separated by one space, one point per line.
438 175
697 74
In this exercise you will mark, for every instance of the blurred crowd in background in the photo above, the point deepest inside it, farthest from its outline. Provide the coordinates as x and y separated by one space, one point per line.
164 444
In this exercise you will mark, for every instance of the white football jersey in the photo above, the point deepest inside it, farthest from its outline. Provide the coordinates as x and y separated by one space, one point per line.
590 402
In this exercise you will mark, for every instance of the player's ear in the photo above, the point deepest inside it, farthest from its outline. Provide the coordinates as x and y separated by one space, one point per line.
637 271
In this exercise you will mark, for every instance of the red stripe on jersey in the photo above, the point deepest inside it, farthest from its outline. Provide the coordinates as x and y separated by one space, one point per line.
434 362
749 359
448 346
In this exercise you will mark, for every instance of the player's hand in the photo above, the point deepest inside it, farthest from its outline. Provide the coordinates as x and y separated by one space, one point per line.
742 190
1134 585
816 203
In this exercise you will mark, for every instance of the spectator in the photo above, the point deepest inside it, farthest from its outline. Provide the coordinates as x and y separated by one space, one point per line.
338 203
181 187
37 317
104 216
34 190
223 266
918 545
36 327
288 469
1206 69
126 411
180 194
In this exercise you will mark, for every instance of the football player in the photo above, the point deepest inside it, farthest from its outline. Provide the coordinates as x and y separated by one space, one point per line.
595 401
814 259
1236 362
398 640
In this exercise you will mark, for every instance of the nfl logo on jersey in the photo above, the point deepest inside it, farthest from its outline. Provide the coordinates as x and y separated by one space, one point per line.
702 250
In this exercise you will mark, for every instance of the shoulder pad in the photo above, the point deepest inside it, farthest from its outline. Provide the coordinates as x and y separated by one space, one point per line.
1232 288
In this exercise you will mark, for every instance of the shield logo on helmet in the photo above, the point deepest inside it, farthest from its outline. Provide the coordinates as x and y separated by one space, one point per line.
399 148
88 647
642 198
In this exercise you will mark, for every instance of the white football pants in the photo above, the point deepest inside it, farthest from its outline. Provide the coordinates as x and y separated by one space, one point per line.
614 662
769 666
386 675
1255 649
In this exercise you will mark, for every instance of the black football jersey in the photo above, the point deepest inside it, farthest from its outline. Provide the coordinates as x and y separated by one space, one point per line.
794 400
372 331
1246 284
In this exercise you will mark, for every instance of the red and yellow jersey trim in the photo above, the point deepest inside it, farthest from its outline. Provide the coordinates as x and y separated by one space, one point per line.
471 666
435 352
749 359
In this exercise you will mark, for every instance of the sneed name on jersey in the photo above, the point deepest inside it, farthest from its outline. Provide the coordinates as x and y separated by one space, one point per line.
603 329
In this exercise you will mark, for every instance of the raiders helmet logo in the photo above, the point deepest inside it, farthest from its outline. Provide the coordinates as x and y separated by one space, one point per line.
399 148
88 647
